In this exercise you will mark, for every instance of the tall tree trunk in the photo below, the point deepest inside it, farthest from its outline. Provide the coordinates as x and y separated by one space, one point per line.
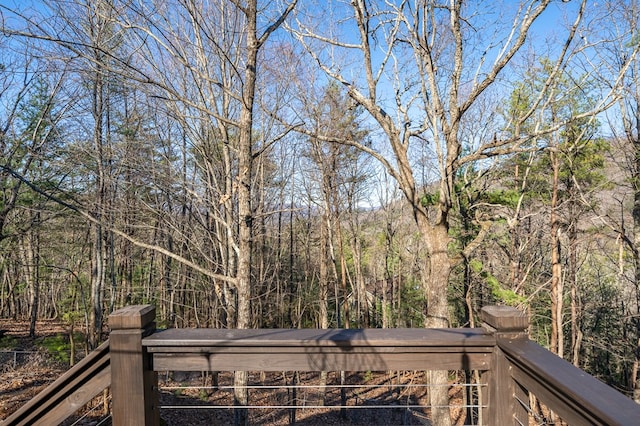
98 254
30 259
635 376
343 272
435 283
436 236
323 279
100 34
245 213
230 259
576 332
557 337
323 288
362 313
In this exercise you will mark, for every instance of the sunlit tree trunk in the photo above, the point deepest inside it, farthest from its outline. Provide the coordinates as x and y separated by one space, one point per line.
98 250
635 374
244 180
31 263
245 213
557 291
576 332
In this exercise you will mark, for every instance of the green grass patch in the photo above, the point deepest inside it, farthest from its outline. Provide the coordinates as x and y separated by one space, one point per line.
8 342
58 346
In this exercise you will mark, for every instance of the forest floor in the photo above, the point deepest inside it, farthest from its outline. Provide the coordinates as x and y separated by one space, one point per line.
27 367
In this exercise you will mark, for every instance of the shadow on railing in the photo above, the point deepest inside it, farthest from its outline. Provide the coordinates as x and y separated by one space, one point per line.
515 370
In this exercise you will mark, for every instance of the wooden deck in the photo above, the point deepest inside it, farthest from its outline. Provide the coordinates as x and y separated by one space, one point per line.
512 366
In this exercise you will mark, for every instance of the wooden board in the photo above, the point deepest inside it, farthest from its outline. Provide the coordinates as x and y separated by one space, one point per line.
69 392
396 337
320 350
320 361
573 394
505 318
132 317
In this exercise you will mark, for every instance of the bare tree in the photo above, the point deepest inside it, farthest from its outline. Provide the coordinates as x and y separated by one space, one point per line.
230 30
19 146
441 58
625 124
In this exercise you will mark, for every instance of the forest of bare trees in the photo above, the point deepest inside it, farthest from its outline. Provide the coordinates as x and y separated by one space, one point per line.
245 163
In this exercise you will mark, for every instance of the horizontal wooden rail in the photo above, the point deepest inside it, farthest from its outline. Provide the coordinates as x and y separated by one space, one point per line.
512 366
68 393
320 350
578 398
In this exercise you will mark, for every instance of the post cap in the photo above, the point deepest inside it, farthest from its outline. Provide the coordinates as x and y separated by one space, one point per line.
132 317
505 318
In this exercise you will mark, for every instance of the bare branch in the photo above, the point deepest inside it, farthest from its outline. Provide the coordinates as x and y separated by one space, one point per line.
91 218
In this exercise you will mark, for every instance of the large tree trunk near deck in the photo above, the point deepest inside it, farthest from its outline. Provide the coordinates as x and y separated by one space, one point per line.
436 282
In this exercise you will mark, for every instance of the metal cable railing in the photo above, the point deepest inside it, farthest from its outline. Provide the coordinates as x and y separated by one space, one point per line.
537 415
376 394
91 416
12 356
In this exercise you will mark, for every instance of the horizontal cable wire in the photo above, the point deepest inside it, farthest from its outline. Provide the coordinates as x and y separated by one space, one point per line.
316 386
309 407
91 411
539 421
357 394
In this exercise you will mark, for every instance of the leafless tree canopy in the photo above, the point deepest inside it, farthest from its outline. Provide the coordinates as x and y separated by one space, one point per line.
326 164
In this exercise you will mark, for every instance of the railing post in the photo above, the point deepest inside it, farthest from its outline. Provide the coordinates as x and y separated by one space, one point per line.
133 382
505 399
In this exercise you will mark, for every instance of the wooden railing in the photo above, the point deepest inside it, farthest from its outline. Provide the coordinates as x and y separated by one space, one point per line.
512 366
68 393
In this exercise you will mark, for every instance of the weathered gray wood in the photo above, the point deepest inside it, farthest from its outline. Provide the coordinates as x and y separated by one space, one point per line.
68 393
133 382
575 396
